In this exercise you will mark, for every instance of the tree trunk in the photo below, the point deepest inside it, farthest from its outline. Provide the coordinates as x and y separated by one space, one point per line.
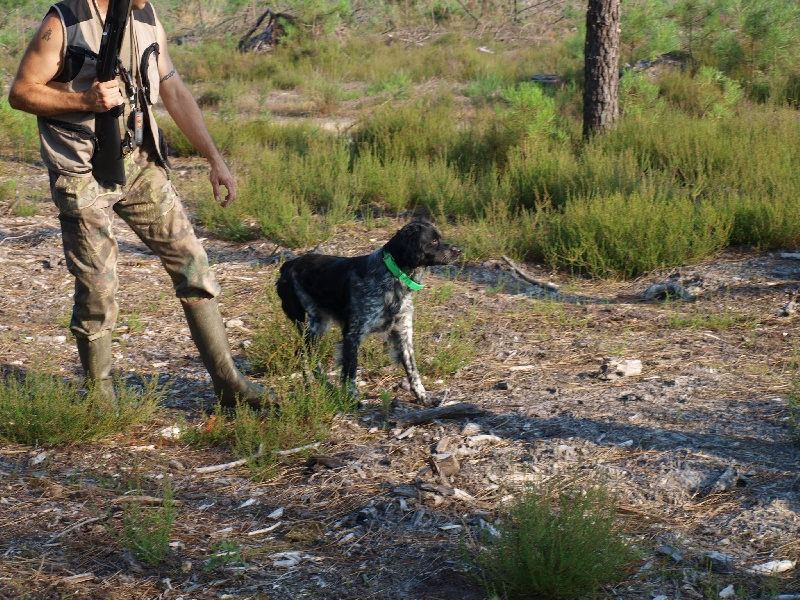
601 67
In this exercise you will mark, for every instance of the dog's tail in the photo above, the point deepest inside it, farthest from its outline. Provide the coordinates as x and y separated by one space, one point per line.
290 302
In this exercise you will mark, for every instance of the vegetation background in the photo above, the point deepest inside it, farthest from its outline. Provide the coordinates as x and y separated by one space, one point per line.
371 110
430 105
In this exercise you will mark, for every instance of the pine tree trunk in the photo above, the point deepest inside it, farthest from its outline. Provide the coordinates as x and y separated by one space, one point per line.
601 67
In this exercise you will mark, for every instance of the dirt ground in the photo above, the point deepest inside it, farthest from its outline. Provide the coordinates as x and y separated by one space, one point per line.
697 444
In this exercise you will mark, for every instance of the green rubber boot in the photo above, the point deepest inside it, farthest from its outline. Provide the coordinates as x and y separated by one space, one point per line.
211 339
95 356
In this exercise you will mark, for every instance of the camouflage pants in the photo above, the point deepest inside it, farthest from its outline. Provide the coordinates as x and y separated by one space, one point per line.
153 210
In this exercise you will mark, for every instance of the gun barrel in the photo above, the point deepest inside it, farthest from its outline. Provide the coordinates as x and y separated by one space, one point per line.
111 43
107 162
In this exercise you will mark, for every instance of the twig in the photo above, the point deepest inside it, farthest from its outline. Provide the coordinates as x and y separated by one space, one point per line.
466 10
244 461
528 278
230 465
152 500
75 526
298 449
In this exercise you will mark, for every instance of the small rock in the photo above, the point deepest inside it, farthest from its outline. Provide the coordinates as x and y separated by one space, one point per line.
471 429
405 491
672 552
38 459
728 592
462 495
407 433
502 385
717 561
479 440
287 560
443 490
445 464
132 562
565 452
612 369
276 514
447 444
773 567
728 480
171 433
791 306
666 291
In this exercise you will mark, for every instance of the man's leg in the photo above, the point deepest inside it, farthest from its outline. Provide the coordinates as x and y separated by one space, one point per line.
90 251
154 211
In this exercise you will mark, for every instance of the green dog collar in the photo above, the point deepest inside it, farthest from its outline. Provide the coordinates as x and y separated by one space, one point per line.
395 270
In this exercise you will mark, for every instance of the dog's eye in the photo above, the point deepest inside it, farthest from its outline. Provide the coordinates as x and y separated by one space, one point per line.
435 242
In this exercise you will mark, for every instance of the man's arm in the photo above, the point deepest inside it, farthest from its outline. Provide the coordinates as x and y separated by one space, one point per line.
183 109
34 92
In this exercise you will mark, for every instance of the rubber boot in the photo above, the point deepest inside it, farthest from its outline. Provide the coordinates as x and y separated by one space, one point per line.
211 339
95 356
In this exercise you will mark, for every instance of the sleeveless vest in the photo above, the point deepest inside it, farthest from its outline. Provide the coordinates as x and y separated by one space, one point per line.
68 140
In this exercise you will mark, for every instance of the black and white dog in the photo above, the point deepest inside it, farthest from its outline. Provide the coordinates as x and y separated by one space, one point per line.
365 294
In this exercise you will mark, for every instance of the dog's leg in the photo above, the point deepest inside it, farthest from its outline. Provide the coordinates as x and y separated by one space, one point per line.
318 326
351 340
401 339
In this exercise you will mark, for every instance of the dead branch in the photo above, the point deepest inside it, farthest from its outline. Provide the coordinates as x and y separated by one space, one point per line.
524 276
244 461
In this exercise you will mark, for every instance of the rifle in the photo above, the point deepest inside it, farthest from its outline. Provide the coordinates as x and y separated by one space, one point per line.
107 163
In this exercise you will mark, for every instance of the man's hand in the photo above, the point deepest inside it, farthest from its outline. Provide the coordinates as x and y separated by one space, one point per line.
103 96
221 176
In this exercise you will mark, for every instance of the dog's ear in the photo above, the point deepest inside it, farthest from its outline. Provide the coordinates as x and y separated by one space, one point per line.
406 246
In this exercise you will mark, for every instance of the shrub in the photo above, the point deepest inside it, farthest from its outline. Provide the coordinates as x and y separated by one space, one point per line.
626 236
559 545
36 408
146 529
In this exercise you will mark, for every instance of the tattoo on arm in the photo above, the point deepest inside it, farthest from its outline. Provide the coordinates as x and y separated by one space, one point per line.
168 75
46 35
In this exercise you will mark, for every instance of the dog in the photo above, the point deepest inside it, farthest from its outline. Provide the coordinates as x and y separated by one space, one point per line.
365 294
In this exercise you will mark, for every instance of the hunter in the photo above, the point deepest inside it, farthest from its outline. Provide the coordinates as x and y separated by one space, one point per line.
57 81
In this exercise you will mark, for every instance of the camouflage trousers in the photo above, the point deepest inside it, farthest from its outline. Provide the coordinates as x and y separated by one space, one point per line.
152 209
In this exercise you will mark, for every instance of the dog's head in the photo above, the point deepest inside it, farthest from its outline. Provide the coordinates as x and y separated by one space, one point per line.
419 244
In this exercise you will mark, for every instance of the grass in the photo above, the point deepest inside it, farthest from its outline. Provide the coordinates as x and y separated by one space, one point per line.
666 188
37 408
793 401
557 544
146 529
719 319
307 409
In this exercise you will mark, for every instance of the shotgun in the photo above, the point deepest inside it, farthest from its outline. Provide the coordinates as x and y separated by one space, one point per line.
107 161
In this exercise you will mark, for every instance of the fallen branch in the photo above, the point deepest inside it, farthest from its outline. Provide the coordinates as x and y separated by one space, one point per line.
451 411
151 500
232 464
244 461
525 277
76 526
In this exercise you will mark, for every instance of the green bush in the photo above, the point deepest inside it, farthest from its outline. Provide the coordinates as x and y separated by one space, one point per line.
36 408
625 236
559 545
146 529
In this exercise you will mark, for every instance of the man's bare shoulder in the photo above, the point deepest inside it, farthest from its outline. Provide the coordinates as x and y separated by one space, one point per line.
49 38
42 58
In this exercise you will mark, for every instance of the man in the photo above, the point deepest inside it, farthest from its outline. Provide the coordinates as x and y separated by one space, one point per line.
57 82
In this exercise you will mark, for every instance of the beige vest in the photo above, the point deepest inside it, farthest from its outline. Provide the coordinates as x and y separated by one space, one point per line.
68 140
